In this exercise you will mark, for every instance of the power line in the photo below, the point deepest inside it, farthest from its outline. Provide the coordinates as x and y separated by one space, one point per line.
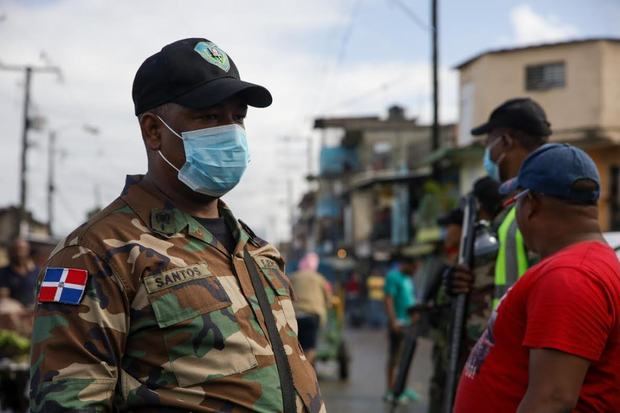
413 16
346 35
344 42
371 92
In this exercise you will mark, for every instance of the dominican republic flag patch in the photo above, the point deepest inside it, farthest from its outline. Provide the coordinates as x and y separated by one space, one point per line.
63 285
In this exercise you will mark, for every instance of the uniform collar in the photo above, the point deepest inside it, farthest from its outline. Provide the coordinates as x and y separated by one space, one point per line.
161 217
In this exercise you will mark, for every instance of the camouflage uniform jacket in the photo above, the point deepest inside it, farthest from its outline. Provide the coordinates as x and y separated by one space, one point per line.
169 320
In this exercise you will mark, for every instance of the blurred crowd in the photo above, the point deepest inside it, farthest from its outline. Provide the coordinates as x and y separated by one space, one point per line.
17 297
17 289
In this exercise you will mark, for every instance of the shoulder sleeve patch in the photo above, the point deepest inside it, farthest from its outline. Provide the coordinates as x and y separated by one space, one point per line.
63 285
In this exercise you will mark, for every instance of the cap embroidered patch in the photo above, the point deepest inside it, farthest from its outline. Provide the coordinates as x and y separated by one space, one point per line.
213 54
63 285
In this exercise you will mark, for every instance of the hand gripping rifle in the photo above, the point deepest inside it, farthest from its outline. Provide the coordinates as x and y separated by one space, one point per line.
459 305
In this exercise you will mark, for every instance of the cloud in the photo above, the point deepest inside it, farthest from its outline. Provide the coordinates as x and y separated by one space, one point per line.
529 27
278 43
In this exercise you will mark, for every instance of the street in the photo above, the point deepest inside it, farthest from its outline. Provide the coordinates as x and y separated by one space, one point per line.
364 391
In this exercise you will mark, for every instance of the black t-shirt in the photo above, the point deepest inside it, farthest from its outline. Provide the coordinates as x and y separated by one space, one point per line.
22 288
219 229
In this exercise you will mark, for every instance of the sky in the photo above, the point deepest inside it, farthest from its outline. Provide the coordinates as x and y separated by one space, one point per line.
318 58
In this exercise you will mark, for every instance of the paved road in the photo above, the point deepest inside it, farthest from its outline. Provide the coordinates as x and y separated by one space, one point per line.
364 391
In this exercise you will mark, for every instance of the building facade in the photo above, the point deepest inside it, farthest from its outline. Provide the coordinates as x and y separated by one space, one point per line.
577 83
371 180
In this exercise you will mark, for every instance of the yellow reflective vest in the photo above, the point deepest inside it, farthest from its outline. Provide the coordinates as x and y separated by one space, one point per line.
512 259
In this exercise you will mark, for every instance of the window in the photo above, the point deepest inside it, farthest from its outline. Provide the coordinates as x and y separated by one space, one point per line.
546 76
381 156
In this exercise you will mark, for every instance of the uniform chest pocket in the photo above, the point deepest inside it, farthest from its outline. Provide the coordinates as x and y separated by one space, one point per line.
279 293
200 330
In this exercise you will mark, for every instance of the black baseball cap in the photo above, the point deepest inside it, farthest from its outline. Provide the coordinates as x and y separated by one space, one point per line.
522 114
194 73
486 190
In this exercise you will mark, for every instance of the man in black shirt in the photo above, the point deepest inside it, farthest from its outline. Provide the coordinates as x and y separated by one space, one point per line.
20 276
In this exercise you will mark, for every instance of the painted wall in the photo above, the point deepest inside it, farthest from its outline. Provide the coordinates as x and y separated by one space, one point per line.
590 97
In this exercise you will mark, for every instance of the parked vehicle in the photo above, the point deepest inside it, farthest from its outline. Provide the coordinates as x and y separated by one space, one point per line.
613 239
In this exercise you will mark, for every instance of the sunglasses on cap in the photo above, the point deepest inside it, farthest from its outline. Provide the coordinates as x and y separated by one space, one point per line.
513 200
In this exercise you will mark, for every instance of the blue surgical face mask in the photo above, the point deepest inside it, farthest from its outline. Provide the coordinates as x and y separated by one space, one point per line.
491 166
215 158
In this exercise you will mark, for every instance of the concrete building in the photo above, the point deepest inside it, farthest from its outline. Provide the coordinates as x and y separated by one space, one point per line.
578 84
371 181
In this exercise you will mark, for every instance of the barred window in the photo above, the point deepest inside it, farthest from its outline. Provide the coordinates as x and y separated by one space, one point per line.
546 76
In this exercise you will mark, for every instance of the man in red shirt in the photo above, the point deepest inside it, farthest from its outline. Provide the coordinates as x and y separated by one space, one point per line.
553 344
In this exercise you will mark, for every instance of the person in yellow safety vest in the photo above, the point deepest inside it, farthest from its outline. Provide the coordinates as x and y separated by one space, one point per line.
515 129
512 260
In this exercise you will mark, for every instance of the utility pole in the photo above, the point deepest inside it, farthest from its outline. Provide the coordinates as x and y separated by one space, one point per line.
291 206
51 170
23 222
435 143
434 29
26 125
51 158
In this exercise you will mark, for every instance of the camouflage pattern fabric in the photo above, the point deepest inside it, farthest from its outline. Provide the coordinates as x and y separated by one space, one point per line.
169 320
480 306
478 312
439 334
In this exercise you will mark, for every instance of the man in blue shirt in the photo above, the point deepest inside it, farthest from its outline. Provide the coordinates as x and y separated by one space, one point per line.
399 299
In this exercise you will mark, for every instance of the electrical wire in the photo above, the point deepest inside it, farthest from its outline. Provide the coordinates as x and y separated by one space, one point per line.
369 93
413 16
344 43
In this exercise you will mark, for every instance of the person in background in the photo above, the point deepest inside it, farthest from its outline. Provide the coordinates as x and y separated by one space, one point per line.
20 276
553 343
480 303
400 297
486 192
353 302
313 299
438 300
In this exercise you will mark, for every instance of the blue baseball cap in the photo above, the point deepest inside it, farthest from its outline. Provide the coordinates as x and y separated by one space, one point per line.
553 169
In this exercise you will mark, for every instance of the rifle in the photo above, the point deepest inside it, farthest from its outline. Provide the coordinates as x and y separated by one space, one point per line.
459 306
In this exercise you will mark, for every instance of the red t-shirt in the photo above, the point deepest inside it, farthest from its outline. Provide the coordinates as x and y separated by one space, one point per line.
568 302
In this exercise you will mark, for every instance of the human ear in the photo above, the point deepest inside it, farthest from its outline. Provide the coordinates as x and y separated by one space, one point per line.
151 131
534 203
507 141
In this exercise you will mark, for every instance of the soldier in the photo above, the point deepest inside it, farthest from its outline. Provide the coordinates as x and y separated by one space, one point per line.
486 191
164 301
